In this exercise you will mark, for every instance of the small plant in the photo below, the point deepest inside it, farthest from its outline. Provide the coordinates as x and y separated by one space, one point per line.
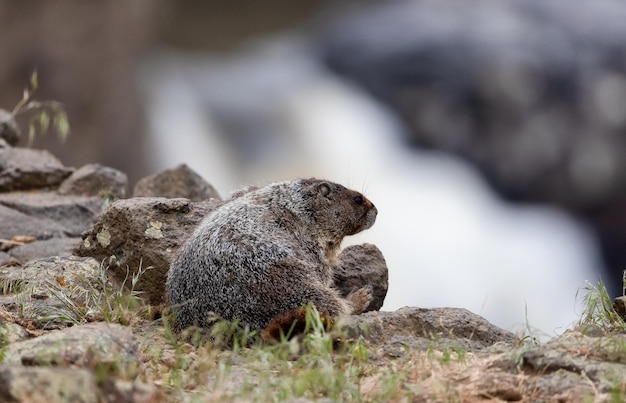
11 286
598 309
43 113
121 305
100 301
108 196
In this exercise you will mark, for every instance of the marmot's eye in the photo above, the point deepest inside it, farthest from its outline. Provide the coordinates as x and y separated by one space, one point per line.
358 199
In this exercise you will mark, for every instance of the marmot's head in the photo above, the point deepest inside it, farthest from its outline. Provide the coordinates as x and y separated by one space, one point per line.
338 211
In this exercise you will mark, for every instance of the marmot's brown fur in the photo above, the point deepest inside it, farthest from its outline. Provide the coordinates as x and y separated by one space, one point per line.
265 252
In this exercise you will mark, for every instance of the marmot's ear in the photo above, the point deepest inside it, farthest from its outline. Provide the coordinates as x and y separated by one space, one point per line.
324 188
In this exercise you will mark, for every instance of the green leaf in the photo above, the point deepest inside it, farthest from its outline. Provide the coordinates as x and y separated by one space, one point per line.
44 121
62 124
34 83
31 132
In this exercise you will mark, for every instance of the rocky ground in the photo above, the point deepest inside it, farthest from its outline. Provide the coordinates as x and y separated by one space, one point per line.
82 314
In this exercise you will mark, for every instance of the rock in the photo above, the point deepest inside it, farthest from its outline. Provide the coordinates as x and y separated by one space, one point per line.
47 224
95 180
15 223
24 238
11 332
52 293
142 233
101 344
51 222
51 385
48 247
361 265
132 392
9 130
5 258
619 304
25 169
73 213
418 326
181 181
570 366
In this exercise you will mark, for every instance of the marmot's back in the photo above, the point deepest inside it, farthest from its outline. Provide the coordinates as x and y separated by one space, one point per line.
266 252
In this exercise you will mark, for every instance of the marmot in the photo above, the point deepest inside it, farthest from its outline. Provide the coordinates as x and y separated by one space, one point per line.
265 252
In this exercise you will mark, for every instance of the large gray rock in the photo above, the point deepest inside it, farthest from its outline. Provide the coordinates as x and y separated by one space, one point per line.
15 223
181 181
102 344
23 168
71 215
44 384
417 327
95 180
42 223
38 249
61 385
361 265
142 233
569 366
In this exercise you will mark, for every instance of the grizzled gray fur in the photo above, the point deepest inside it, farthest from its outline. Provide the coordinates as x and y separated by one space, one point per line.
267 251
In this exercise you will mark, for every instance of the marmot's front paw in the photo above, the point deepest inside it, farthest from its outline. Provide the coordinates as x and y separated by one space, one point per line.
360 299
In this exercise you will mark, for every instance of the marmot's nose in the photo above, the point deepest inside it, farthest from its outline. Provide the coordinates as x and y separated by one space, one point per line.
370 216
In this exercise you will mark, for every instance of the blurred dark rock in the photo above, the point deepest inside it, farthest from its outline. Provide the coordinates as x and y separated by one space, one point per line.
95 180
9 130
42 224
15 223
532 92
55 246
23 168
181 181
71 214
43 212
359 266
143 234
6 259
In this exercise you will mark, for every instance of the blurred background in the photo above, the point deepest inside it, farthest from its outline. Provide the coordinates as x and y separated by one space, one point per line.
489 134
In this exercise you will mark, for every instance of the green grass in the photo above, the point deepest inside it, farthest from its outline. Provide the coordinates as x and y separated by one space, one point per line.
99 300
598 311
228 363
11 286
318 364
